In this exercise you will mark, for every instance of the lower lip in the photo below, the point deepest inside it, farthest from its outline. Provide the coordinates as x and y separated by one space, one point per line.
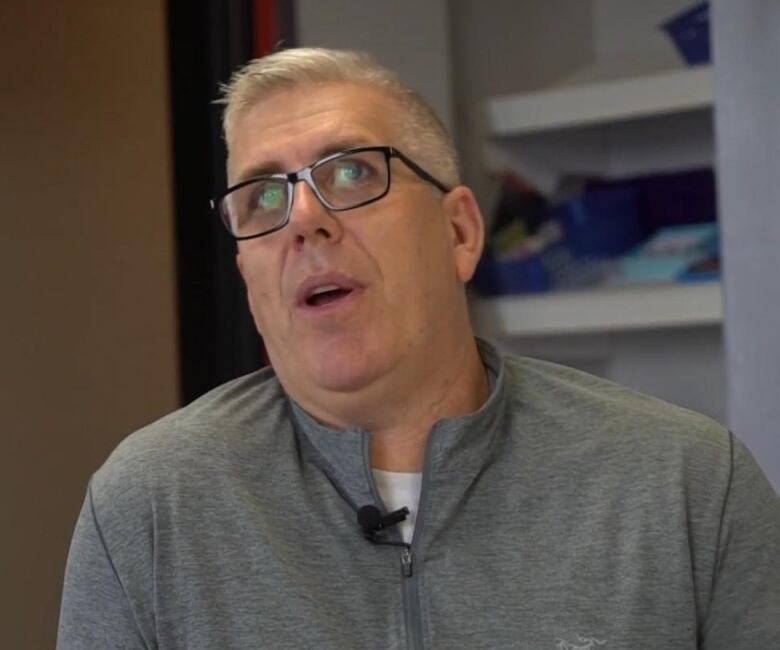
330 308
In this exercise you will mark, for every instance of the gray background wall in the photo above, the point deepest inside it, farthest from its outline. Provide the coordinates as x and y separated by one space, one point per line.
409 36
747 120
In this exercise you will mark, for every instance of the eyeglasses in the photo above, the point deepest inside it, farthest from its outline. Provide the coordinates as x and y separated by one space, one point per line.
342 181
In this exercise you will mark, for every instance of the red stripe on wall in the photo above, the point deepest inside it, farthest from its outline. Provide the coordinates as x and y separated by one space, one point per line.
265 27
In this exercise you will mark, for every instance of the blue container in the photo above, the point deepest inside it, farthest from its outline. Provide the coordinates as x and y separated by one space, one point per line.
495 277
671 254
690 32
670 199
601 223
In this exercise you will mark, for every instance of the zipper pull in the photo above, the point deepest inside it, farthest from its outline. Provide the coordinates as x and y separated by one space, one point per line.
406 563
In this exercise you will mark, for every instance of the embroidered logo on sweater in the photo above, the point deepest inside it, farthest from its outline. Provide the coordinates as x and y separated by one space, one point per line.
583 643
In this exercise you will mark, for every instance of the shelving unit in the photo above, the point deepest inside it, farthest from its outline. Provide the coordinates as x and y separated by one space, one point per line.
653 122
651 306
594 89
600 102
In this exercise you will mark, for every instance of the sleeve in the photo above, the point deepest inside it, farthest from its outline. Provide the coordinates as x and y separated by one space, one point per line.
95 611
744 609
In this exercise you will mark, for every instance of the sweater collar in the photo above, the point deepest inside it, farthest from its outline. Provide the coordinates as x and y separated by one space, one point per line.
454 444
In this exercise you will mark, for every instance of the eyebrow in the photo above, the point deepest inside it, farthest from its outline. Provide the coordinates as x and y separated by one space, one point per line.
274 167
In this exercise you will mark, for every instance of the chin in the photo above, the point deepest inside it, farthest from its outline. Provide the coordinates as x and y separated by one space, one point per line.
343 371
336 366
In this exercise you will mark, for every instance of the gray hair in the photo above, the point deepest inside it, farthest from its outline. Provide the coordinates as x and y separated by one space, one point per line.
423 136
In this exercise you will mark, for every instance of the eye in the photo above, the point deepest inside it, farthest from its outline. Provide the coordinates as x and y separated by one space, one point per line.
347 173
268 196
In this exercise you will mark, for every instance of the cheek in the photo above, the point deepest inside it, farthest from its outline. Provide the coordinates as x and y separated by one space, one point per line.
261 290
416 261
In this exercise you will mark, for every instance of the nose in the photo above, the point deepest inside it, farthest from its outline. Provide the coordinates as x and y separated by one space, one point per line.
310 221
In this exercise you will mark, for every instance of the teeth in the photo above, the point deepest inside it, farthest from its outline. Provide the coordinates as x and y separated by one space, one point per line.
323 289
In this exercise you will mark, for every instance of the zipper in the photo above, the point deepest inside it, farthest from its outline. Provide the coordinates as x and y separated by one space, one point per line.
409 577
412 618
406 563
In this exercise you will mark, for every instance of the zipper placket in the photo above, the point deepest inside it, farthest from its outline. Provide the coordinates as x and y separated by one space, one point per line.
409 575
411 597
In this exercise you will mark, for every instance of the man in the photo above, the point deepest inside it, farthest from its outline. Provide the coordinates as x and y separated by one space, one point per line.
548 508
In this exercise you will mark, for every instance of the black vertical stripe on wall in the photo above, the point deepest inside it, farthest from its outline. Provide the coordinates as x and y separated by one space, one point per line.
208 39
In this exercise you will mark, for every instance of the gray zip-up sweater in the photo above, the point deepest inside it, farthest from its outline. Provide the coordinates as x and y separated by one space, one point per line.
567 513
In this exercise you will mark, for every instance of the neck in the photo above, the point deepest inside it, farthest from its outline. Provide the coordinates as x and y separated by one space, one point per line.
400 420
399 445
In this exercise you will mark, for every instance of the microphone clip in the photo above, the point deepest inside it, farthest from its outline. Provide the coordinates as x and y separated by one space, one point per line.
372 522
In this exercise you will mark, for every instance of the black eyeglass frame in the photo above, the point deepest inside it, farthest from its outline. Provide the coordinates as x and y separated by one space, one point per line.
305 174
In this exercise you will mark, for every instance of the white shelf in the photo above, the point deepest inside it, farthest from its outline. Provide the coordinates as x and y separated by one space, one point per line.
631 307
605 101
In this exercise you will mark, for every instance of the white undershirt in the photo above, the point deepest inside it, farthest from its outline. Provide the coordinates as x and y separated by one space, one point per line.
399 489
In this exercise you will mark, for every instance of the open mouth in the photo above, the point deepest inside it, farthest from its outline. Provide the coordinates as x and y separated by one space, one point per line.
326 295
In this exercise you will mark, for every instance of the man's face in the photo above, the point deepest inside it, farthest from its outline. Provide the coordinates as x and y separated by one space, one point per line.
393 261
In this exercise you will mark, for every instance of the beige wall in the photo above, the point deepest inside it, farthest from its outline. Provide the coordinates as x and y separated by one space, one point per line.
87 334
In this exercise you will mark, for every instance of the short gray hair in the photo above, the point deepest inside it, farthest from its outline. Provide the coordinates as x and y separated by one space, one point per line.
423 136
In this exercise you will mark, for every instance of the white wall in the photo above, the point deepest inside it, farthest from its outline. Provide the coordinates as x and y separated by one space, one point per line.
620 30
408 36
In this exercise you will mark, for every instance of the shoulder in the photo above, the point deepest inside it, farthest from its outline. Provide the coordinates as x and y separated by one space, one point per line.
226 424
594 418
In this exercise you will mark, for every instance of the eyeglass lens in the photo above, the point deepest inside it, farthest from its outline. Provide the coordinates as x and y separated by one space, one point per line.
342 182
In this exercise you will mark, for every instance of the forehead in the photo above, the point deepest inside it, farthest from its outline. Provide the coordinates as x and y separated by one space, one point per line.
293 127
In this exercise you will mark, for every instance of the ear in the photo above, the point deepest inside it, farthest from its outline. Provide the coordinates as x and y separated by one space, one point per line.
467 230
